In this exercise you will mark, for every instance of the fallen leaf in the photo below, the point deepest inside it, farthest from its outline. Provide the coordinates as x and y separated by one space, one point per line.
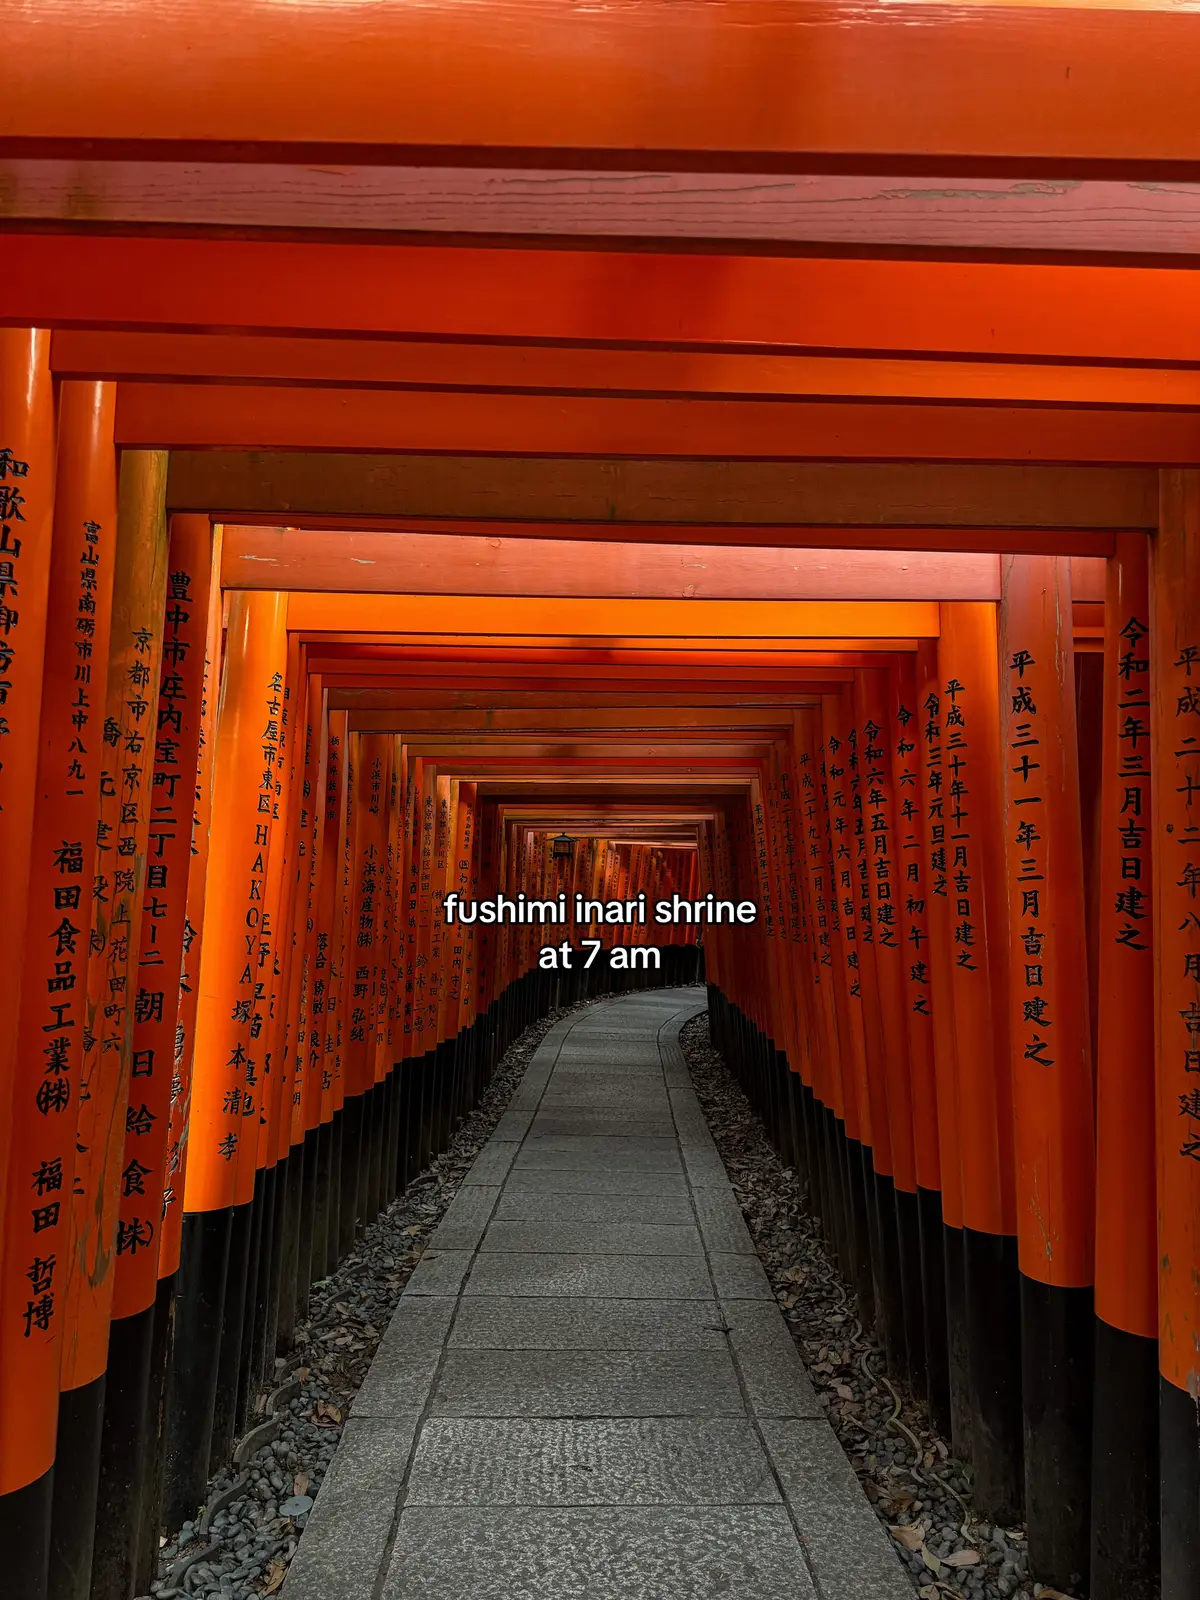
300 1483
963 1558
1052 1594
932 1562
911 1536
276 1573
844 1391
928 1592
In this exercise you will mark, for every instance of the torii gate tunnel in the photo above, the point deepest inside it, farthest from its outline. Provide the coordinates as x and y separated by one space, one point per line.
744 451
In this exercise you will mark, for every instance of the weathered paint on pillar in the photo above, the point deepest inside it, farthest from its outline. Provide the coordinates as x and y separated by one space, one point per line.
225 1072
108 1110
26 524
59 859
1175 726
177 725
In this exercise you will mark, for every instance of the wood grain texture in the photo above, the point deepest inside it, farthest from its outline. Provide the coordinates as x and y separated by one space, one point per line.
234 484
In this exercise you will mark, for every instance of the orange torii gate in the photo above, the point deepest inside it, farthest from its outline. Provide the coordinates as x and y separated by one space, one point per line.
733 540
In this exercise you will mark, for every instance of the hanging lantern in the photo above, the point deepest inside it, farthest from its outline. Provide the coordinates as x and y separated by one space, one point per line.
563 846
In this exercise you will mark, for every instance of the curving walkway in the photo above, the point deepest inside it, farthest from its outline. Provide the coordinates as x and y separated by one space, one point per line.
587 1389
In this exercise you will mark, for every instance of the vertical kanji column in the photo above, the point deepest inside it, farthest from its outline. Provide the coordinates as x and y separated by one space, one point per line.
225 1061
940 924
27 437
1175 724
1050 1038
883 888
54 863
126 1446
977 893
1124 1554
920 1001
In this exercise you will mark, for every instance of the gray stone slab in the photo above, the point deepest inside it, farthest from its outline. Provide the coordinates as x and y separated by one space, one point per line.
530 1092
461 1228
851 1555
345 1541
592 1276
598 1121
587 1383
704 1166
610 1091
776 1383
676 1077
509 1323
401 1375
439 1272
582 1069
515 1122
598 1461
739 1277
594 1180
492 1163
577 1237
607 1208
618 1154
694 1136
597 1553
721 1223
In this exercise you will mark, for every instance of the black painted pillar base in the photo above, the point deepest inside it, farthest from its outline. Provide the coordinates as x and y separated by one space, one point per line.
159 1387
199 1309
306 1230
889 1283
348 1209
289 1249
254 1260
267 1333
76 1485
856 1166
1179 1487
908 1232
337 1157
229 1359
126 1457
1125 1524
992 1289
25 1537
322 1202
933 1294
1058 1353
958 1345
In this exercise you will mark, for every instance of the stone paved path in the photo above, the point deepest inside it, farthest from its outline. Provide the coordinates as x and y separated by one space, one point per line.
587 1389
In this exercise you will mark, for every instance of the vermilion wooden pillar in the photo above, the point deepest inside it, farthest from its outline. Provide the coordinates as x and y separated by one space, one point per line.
27 435
126 1456
977 892
225 1075
104 1106
1050 1040
1175 730
924 995
885 890
1125 1555
46 1029
935 798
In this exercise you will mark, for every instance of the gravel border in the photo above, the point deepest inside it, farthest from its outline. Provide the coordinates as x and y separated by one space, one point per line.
920 1493
242 1546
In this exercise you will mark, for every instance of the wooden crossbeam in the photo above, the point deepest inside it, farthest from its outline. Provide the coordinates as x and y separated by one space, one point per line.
639 498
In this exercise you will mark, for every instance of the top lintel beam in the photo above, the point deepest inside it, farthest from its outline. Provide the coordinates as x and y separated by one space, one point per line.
724 84
621 495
